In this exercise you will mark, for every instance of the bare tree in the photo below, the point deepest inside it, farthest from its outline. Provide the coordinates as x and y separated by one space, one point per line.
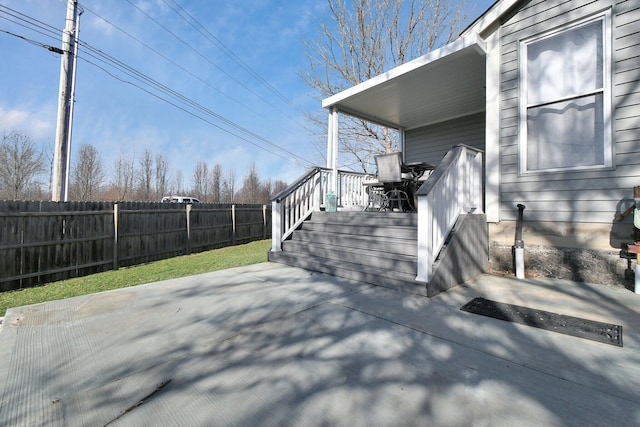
251 186
20 165
162 176
215 183
277 187
88 173
199 181
123 180
365 39
178 185
229 187
145 176
48 156
270 189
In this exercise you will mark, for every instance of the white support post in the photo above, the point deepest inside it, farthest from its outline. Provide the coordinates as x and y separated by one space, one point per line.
276 226
461 172
334 149
478 175
330 140
425 240
492 129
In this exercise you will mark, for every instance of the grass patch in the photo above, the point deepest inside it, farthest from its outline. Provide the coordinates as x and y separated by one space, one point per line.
204 262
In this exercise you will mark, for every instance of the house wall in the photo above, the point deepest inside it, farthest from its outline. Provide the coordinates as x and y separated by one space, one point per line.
571 210
431 143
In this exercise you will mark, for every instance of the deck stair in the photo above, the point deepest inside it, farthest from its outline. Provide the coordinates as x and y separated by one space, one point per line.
381 248
373 247
444 244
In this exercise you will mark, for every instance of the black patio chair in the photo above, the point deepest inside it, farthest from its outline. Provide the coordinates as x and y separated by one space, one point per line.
391 177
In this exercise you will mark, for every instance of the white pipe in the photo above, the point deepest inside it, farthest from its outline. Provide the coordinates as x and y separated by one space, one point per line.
637 284
519 253
519 244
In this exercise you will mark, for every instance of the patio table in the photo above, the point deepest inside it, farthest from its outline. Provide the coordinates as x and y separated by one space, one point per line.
410 182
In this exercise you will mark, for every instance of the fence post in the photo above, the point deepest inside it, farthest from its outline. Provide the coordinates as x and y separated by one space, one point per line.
264 222
116 217
189 229
233 224
22 249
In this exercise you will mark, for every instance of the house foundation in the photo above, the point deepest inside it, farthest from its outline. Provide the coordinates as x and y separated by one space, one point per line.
584 252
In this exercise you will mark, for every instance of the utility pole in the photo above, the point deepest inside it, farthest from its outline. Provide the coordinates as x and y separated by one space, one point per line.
60 180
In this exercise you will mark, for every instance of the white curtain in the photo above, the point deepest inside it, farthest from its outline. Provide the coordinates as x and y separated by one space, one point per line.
565 132
568 64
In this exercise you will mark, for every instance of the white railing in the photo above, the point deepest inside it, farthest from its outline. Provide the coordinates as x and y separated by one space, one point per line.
454 188
297 202
351 190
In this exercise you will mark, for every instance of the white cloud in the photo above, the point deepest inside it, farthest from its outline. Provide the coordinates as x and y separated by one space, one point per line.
35 124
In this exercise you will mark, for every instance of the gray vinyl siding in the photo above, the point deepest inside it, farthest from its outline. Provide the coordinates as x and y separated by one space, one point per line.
578 196
430 143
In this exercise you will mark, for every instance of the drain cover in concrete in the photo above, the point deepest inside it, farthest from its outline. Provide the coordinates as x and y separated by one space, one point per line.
568 325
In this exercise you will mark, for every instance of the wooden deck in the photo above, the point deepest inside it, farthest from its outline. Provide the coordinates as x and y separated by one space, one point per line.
381 248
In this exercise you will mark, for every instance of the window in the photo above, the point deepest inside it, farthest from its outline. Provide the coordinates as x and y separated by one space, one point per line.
565 97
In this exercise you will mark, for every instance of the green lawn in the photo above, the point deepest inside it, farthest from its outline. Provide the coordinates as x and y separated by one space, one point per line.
218 259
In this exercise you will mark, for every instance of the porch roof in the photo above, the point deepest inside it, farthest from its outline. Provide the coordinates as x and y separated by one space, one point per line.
446 83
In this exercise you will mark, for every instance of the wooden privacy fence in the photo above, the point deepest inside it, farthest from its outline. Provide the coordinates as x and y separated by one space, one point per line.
42 242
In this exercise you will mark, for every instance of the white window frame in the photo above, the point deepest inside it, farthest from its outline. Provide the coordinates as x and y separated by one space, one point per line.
605 17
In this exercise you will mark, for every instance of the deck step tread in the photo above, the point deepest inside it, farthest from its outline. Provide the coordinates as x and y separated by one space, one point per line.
361 256
372 243
397 232
375 276
369 218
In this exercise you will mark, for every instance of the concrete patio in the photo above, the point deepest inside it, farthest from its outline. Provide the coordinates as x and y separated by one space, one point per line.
271 345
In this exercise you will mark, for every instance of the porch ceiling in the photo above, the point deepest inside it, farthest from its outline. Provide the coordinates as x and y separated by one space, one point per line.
446 83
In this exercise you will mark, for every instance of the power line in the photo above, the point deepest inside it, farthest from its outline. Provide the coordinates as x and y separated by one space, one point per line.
30 24
109 60
33 42
31 21
56 34
158 86
231 76
143 78
220 45
174 62
191 113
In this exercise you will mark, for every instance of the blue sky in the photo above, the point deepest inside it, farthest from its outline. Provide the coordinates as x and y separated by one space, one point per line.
117 117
